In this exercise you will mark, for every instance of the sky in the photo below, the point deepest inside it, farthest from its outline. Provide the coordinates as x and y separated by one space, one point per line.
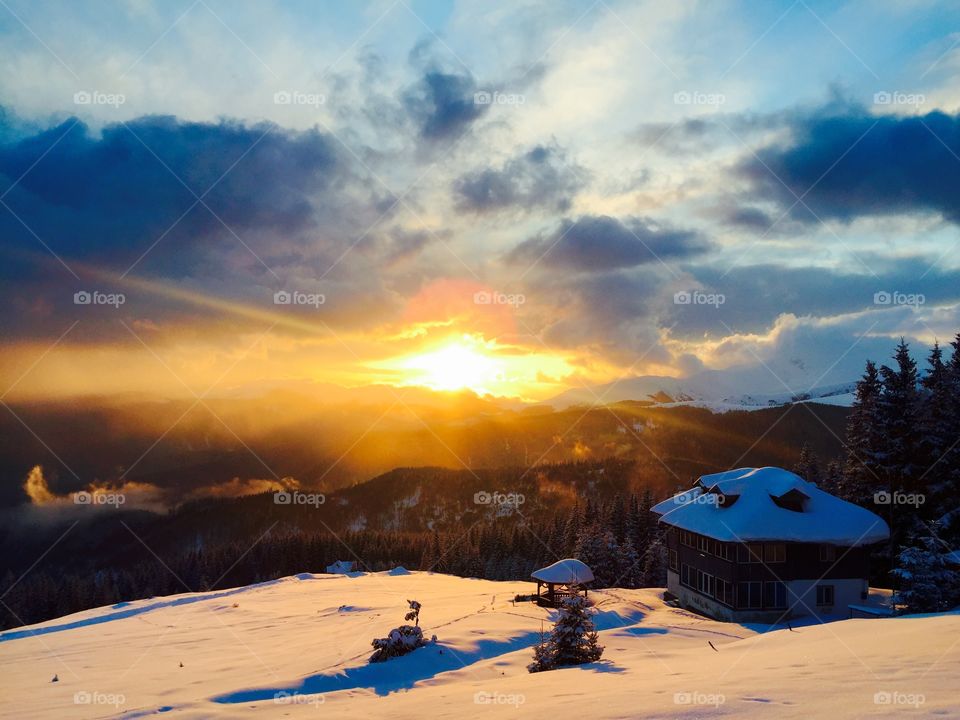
206 197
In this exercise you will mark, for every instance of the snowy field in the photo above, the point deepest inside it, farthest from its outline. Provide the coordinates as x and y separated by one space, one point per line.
297 648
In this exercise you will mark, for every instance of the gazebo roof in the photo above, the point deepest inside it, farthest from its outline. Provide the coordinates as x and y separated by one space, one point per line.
564 572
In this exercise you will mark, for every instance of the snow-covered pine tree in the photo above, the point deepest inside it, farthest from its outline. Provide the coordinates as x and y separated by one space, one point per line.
573 641
927 582
629 567
616 520
899 422
655 561
833 478
647 524
861 472
401 640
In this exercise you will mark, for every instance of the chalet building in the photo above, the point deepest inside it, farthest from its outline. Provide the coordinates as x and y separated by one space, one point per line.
762 545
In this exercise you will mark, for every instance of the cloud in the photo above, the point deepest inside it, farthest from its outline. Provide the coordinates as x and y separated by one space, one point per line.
539 178
600 243
849 164
442 104
280 209
93 497
36 487
111 196
610 315
756 295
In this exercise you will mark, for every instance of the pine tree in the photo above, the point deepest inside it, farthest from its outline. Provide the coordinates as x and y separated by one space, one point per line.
655 561
833 478
927 582
629 568
573 641
809 465
899 422
861 474
938 430
401 640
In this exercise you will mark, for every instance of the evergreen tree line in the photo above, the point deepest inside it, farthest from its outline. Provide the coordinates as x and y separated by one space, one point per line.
903 462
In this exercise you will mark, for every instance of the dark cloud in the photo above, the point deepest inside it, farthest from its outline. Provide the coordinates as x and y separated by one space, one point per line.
442 104
539 178
756 295
600 242
748 218
851 164
283 210
109 197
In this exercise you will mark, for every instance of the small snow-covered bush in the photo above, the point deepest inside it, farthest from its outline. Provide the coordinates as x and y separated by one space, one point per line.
573 641
401 640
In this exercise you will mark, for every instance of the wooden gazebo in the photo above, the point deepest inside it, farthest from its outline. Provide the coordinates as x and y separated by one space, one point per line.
562 580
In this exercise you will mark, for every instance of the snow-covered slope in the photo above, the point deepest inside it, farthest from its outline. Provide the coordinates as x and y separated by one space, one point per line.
713 389
297 648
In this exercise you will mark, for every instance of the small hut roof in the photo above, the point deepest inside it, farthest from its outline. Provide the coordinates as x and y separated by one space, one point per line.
564 572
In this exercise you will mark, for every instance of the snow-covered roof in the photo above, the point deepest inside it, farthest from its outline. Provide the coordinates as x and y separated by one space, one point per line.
341 567
953 557
564 572
751 504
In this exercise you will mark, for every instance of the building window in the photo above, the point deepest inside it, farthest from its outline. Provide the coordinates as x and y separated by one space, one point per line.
748 595
774 553
749 553
705 584
685 574
824 595
673 560
703 544
828 553
774 595
724 550
725 592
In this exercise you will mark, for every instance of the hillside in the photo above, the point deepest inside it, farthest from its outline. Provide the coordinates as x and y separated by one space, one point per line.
173 452
296 646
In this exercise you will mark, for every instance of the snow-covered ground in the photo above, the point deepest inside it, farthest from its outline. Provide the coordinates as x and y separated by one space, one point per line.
297 647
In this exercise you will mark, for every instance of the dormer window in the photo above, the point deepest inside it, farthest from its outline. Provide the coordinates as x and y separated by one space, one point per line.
794 500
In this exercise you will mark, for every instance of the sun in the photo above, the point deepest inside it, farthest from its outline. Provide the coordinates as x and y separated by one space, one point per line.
457 365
